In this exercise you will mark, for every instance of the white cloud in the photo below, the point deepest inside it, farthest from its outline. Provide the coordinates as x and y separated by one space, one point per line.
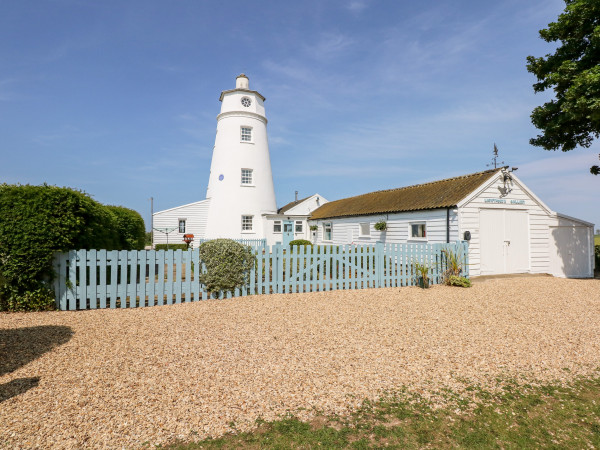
357 6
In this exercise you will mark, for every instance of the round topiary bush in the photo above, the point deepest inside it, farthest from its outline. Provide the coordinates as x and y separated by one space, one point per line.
228 264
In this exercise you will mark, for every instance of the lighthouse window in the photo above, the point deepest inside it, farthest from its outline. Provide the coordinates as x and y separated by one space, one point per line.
182 225
246 176
246 223
246 134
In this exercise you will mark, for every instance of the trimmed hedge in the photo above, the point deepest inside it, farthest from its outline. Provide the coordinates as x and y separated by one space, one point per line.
299 242
36 222
171 247
130 228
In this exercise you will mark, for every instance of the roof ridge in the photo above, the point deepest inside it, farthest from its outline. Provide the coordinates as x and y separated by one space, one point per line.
427 183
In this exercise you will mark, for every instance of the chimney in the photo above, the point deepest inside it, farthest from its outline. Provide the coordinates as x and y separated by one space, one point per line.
296 196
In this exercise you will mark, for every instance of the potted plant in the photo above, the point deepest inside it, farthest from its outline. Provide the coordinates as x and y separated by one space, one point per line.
313 228
381 225
422 273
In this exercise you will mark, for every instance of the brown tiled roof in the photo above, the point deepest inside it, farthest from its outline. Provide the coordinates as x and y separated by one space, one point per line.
436 194
290 205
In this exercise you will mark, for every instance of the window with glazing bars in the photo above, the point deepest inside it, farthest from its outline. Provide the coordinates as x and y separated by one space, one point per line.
246 134
246 176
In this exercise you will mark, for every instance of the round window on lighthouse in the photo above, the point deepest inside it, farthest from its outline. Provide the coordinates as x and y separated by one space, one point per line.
246 102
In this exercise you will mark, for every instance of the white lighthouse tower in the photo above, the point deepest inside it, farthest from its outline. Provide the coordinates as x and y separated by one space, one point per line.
240 185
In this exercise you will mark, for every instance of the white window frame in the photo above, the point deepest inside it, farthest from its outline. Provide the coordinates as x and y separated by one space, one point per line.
361 229
179 222
247 137
245 219
296 224
275 223
417 238
248 178
325 226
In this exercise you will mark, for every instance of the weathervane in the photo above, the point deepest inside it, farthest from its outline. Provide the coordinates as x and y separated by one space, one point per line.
495 158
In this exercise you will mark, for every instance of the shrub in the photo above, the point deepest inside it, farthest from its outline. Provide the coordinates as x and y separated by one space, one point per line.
299 242
454 268
171 247
36 222
228 264
597 255
41 299
130 227
454 280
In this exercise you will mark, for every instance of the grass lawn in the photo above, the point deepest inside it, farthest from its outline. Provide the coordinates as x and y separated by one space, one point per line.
519 416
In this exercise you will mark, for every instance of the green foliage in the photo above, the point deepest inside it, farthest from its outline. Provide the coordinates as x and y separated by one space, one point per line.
422 273
454 267
228 264
313 227
597 256
130 227
36 222
171 247
381 225
454 280
514 416
300 242
40 299
148 238
573 72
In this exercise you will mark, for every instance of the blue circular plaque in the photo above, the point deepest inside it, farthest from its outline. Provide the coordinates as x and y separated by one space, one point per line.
221 177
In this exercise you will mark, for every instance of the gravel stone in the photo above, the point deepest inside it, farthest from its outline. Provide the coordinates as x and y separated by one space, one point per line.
127 378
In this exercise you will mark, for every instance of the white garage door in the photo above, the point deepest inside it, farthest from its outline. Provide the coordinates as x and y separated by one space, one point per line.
570 256
504 236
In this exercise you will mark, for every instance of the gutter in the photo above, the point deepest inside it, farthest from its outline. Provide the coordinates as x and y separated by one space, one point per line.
448 225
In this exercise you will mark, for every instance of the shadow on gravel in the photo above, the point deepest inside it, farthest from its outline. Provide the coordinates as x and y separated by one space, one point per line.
17 387
20 346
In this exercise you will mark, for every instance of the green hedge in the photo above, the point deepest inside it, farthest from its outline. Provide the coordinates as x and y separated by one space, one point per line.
597 255
299 242
36 222
130 228
171 247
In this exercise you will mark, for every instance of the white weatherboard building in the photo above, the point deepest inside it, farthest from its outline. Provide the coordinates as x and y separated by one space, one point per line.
240 199
510 230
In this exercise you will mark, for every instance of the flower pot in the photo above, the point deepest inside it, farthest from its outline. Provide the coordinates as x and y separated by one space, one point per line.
423 282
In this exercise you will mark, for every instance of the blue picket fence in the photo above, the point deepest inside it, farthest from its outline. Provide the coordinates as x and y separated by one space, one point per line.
90 279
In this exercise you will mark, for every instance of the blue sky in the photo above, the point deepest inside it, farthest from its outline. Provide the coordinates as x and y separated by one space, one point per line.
119 98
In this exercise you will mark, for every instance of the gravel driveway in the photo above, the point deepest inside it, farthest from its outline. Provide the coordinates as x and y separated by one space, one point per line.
121 378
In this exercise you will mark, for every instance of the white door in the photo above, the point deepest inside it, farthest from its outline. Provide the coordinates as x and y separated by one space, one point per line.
504 237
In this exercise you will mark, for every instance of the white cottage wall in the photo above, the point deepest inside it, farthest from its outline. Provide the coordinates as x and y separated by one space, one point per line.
571 247
346 230
195 215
